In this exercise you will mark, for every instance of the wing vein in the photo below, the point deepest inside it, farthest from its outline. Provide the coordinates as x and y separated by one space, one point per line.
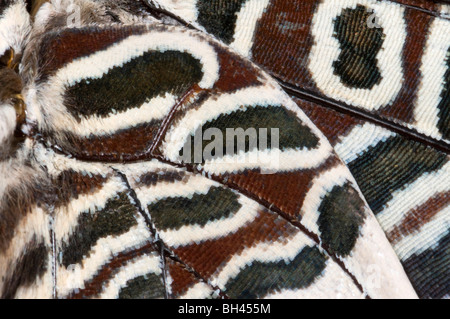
161 247
366 116
276 210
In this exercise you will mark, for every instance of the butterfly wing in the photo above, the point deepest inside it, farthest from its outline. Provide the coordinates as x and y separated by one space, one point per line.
373 77
140 93
109 140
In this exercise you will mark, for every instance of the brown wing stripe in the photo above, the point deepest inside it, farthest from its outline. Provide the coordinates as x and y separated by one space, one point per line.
107 272
418 217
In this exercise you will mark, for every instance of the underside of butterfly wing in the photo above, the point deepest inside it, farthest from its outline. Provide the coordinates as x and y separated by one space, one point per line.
373 77
111 232
126 186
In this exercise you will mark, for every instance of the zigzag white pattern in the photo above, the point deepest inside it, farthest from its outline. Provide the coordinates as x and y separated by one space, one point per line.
286 249
413 195
359 140
101 253
428 237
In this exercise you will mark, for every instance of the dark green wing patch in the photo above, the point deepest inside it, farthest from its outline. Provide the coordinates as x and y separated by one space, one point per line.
143 287
259 279
115 219
219 17
341 215
360 44
403 161
292 133
176 212
129 86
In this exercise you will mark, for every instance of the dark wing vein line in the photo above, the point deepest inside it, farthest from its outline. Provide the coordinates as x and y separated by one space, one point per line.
342 107
440 145
278 211
160 246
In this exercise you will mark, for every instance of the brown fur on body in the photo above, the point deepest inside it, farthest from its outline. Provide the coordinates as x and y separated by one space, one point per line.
131 6
24 187
10 84
10 96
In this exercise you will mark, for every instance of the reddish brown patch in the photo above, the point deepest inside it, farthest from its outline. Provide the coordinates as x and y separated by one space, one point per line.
283 41
235 72
415 219
333 124
417 29
284 191
71 184
182 278
210 256
59 49
127 145
94 286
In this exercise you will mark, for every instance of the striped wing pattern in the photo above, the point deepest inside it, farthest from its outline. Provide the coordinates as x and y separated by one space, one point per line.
412 206
391 125
104 199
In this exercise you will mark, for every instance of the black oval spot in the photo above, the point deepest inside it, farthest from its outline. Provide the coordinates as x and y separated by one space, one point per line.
360 44
341 215
143 287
